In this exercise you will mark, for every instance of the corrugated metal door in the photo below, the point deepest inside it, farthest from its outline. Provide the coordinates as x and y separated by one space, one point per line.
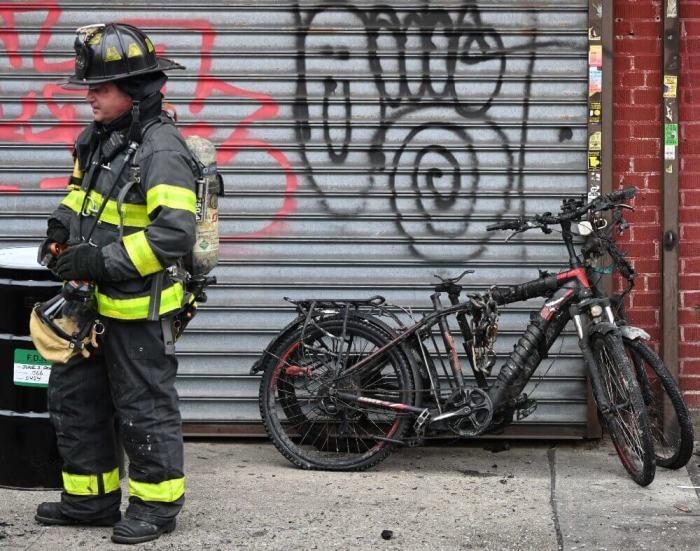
365 146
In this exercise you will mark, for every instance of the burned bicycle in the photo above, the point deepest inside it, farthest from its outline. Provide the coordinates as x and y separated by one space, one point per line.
347 382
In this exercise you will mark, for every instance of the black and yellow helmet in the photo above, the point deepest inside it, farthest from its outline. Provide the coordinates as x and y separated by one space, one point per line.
113 51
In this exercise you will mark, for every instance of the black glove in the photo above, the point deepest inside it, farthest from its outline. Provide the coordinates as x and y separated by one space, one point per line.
82 262
56 231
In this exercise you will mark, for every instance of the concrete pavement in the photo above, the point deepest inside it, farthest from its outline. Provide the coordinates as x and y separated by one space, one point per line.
245 495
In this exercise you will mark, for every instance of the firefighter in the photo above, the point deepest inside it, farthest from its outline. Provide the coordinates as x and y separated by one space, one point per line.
127 220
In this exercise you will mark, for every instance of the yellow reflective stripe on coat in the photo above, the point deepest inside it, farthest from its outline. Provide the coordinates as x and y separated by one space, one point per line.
134 215
88 484
174 197
77 173
141 254
168 490
137 308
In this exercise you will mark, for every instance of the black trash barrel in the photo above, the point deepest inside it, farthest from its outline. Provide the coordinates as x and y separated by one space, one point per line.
28 453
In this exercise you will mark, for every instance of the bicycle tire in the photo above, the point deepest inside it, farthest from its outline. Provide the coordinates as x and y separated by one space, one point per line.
314 429
627 420
671 429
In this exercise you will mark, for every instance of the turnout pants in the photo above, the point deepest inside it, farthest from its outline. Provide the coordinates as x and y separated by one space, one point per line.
132 376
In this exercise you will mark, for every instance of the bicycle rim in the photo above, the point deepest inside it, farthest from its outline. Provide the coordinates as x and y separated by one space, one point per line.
309 423
626 417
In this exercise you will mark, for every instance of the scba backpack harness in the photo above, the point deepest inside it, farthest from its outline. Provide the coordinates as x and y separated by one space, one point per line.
58 337
195 266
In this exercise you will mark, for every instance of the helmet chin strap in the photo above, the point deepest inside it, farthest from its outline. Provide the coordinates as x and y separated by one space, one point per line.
135 128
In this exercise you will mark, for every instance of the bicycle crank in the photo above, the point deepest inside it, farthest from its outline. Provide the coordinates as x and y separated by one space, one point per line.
474 414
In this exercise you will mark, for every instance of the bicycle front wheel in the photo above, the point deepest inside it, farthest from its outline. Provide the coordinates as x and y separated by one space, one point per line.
305 396
669 419
622 407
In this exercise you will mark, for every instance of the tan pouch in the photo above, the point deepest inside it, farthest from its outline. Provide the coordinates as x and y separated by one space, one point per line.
53 348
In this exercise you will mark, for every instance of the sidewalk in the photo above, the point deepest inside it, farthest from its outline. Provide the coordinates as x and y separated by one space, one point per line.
244 495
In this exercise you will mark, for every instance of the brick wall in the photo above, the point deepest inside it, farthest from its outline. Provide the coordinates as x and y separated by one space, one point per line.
637 161
689 208
637 148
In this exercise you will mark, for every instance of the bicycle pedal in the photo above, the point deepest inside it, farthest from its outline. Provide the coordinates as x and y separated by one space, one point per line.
420 423
528 409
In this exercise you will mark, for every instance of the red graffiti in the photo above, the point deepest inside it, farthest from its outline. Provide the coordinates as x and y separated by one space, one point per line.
65 129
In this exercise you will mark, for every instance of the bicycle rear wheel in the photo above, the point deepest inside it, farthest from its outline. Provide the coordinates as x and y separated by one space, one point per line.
306 419
625 416
669 419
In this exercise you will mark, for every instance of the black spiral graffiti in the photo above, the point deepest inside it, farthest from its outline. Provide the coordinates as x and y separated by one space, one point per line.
415 87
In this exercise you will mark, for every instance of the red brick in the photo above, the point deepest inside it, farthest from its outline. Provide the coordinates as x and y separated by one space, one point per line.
646 233
689 147
634 11
690 198
647 131
688 316
690 367
623 132
647 63
689 112
690 131
652 282
690 27
691 335
649 215
646 265
647 164
622 96
642 250
632 79
688 214
638 148
689 382
642 299
644 318
688 282
690 299
689 350
647 96
690 231
623 64
690 163
622 164
692 400
690 265
688 249
652 78
635 113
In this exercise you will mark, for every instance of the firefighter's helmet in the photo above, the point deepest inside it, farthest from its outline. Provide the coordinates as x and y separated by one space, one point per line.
113 51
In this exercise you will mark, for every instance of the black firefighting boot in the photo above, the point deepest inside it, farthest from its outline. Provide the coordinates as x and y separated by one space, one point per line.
131 530
49 513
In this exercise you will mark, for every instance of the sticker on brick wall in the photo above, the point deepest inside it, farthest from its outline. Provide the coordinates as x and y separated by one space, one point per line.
670 85
671 134
594 111
672 8
593 34
595 141
595 81
670 152
669 104
595 56
593 161
30 369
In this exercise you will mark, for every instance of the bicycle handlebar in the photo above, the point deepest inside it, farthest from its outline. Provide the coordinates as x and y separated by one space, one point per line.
603 202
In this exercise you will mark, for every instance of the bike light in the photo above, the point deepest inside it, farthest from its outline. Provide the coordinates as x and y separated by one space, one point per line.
596 310
585 228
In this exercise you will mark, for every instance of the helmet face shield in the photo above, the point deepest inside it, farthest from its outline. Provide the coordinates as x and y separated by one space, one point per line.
114 51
